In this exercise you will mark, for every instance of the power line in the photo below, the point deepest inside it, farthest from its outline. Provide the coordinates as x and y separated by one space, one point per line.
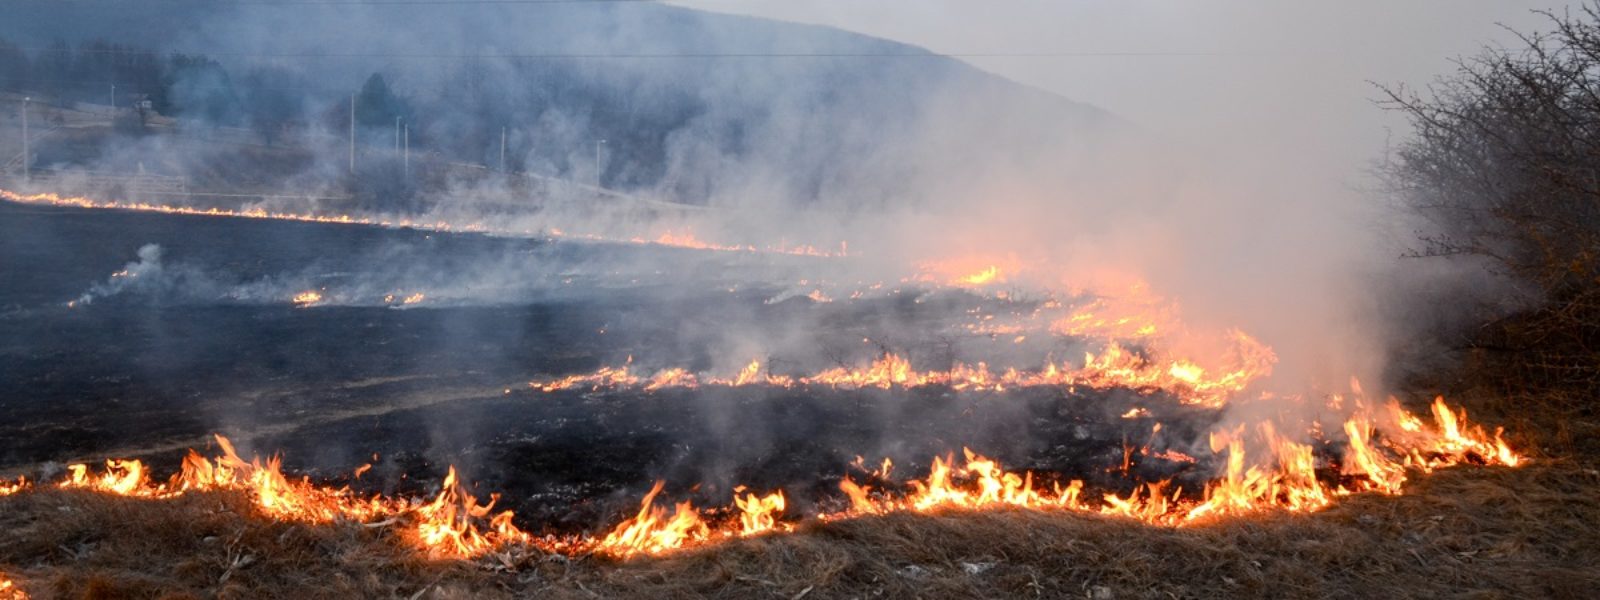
353 2
634 55
127 81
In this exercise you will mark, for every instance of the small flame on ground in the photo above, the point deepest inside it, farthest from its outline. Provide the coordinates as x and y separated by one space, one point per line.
8 488
9 589
986 276
652 531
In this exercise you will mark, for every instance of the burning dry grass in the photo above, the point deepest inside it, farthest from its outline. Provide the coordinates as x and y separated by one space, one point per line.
1490 532
673 239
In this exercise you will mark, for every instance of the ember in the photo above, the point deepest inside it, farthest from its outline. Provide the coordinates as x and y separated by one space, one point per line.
9 589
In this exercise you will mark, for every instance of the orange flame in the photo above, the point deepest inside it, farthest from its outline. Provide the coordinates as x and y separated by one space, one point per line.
9 589
1282 476
8 488
1261 468
758 514
677 240
652 531
1115 367
986 276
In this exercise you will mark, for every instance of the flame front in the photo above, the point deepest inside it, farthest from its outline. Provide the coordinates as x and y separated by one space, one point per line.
1115 367
453 524
673 239
1133 338
1381 448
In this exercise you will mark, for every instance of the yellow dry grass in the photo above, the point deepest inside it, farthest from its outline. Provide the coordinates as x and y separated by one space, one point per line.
1463 532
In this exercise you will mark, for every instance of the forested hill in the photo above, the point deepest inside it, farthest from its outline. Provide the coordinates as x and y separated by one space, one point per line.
692 105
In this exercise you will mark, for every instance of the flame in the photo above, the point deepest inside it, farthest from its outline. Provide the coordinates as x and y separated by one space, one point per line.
1382 448
121 477
758 514
1286 480
251 213
1115 367
408 299
1134 336
984 277
652 531
1365 460
9 589
748 374
8 488
606 377
307 298
1135 315
677 240
968 271
447 526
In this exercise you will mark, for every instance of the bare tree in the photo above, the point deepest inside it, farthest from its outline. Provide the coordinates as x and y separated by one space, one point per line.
1504 164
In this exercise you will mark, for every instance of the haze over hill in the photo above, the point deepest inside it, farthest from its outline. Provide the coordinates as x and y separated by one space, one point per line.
693 107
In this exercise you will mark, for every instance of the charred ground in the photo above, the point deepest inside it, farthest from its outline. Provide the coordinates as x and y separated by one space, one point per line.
152 372
149 373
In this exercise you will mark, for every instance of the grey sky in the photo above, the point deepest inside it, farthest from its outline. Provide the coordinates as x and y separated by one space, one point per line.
1284 75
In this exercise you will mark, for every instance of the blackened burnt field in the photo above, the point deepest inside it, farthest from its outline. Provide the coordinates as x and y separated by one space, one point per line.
210 340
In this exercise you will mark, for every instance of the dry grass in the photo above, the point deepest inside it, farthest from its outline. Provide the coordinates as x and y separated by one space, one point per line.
1468 532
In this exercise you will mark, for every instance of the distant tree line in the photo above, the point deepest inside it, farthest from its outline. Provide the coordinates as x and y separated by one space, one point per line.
268 99
548 117
86 73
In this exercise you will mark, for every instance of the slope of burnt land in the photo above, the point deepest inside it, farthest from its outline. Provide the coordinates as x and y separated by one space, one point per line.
572 461
147 373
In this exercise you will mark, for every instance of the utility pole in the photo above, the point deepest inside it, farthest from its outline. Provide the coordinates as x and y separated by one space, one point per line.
502 149
407 160
597 170
113 97
25 158
352 133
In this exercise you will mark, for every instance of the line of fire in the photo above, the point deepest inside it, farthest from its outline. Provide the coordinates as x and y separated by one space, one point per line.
457 299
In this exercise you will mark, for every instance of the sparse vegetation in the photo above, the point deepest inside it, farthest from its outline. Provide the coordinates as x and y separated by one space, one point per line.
1528 532
1503 167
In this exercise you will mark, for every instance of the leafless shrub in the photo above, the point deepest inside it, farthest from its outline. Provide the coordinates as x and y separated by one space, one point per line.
1504 165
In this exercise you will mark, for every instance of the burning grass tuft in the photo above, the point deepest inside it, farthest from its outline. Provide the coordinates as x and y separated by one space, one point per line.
1526 532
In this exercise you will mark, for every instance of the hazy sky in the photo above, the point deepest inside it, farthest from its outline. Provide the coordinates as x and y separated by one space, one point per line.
1285 75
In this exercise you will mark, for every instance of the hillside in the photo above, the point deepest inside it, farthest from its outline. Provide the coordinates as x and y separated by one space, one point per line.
691 106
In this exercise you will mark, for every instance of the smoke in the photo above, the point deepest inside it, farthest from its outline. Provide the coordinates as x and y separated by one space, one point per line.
405 275
148 276
744 132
